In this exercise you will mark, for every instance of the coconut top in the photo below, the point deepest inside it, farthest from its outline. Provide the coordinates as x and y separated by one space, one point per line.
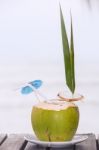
55 105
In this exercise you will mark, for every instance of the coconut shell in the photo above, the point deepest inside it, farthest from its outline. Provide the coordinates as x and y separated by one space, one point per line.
55 125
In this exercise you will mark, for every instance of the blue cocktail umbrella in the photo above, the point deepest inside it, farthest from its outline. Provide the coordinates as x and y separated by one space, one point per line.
33 86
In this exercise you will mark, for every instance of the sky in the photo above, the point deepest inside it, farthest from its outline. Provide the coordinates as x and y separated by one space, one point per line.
30 31
31 46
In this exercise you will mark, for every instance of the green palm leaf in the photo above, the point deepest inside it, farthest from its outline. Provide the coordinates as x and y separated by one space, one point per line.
72 59
68 55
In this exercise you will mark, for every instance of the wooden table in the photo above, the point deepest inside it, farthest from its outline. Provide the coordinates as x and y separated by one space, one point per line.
17 142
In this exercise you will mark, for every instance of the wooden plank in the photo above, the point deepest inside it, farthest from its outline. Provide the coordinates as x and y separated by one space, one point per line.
98 142
14 142
31 146
68 148
17 142
2 138
89 144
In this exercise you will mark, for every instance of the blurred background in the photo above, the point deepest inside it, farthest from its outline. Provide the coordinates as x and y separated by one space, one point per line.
31 48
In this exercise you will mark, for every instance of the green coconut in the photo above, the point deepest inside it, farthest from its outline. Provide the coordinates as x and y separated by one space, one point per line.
55 121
